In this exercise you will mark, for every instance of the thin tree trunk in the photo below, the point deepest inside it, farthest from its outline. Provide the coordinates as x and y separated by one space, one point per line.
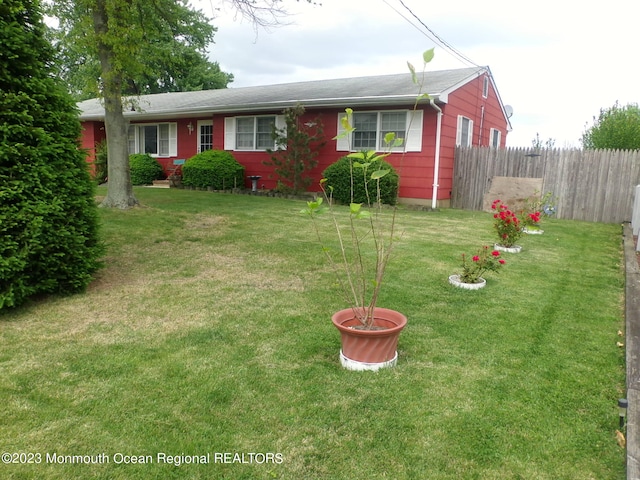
119 190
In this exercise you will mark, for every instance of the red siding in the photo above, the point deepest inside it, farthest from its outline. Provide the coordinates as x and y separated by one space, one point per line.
416 169
92 134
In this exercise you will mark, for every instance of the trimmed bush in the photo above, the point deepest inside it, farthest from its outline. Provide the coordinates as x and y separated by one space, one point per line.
48 215
144 169
338 176
213 168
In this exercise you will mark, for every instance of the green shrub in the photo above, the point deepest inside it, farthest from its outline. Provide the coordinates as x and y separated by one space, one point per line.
144 169
213 168
338 176
49 239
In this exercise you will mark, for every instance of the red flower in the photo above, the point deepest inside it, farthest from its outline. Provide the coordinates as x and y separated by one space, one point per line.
502 262
476 258
495 253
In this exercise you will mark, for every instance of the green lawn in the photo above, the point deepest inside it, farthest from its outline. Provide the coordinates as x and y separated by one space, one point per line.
208 332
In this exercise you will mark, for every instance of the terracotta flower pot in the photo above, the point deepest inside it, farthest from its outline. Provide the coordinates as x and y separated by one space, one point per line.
364 349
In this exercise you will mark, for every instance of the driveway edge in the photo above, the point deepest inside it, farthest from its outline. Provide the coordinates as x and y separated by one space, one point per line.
632 340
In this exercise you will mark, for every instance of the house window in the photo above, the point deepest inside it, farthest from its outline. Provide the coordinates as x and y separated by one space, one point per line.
157 140
251 133
395 122
465 131
495 137
264 132
371 128
205 135
485 87
254 133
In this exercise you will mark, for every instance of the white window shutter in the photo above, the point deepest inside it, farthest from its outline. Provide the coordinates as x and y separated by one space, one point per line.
470 136
459 131
414 132
229 133
342 143
173 139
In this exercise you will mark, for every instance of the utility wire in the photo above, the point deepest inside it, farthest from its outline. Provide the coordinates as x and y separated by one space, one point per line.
431 34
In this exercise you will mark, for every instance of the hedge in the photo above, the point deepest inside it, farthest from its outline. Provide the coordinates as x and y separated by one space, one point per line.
144 169
49 240
217 169
338 176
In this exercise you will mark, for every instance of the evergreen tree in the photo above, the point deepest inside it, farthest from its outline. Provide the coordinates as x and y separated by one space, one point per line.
48 218
297 145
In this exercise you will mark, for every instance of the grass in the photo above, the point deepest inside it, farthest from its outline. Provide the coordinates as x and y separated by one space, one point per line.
209 331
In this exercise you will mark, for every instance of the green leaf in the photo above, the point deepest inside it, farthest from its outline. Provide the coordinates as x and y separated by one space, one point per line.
389 137
354 208
345 122
379 174
427 56
377 158
412 69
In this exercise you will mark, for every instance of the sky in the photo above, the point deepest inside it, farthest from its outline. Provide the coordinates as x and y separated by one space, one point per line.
555 62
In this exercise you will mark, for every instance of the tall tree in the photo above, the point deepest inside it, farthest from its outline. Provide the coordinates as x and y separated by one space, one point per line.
129 39
615 128
48 218
180 69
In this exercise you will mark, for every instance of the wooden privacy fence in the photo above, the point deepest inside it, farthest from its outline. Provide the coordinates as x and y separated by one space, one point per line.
591 185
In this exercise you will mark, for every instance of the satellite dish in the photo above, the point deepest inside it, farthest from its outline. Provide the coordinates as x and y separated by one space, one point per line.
508 109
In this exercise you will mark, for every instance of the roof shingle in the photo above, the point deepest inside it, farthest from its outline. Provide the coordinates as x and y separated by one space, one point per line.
343 92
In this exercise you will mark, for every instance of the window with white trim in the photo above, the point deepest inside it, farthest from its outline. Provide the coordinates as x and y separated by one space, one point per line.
485 87
156 139
205 135
370 129
465 131
251 133
495 136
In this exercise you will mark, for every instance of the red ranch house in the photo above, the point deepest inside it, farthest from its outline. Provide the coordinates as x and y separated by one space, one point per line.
464 109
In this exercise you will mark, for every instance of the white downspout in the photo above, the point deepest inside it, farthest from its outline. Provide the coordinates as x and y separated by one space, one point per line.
436 163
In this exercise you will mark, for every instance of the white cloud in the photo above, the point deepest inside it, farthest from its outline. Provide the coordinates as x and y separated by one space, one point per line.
557 63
